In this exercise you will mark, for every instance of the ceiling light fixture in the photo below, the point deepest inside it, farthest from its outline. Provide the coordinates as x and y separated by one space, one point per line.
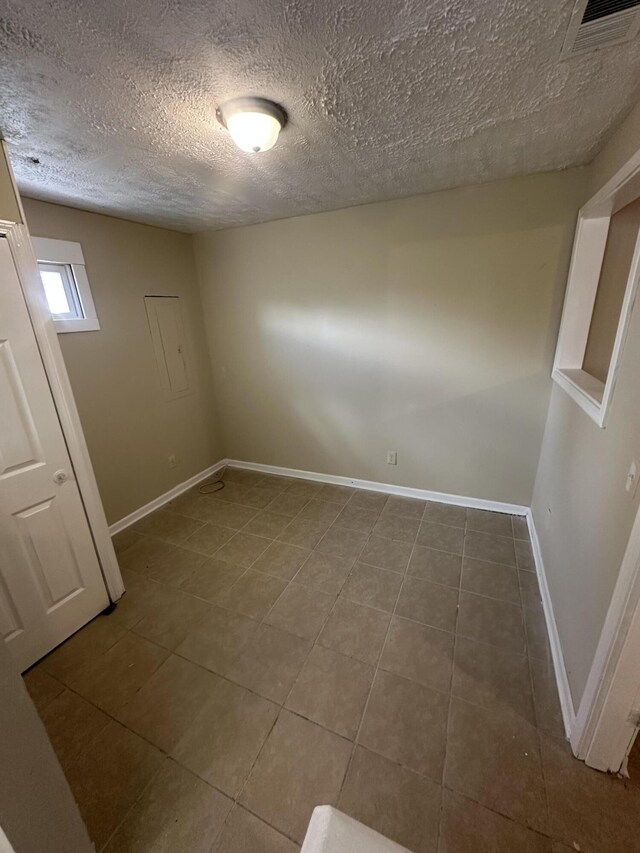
254 123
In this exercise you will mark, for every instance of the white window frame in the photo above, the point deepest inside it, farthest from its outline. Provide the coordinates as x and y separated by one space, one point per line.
69 253
594 218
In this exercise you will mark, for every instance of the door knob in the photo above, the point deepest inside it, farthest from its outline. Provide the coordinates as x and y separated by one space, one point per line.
60 477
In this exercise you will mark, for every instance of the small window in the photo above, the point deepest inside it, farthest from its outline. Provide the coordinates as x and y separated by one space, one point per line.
603 280
66 286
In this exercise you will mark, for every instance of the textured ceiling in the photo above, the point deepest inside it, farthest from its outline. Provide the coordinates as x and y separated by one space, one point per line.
386 98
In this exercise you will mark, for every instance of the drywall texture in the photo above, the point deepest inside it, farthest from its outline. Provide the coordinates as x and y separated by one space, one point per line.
37 809
424 326
130 428
387 98
582 477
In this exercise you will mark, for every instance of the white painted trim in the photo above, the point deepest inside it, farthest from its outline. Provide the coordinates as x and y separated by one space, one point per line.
603 731
25 262
66 252
370 485
163 499
562 682
387 488
589 246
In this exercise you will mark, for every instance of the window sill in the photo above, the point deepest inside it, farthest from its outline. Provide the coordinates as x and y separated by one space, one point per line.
85 324
586 390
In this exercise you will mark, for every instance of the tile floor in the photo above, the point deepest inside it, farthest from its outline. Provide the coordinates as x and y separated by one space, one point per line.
284 644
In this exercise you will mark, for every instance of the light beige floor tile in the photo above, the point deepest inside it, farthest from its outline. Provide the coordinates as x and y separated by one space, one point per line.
491 621
109 680
243 549
243 477
320 510
492 549
394 801
342 542
524 555
168 526
85 646
224 514
536 630
267 524
107 779
304 532
169 622
355 630
429 603
260 498
253 594
301 610
212 578
468 827
442 537
491 579
72 724
397 527
301 766
529 584
373 587
589 810
176 567
270 663
142 596
445 514
420 653
546 700
209 539
304 489
324 572
246 833
177 812
281 560
483 521
437 566
276 481
520 527
225 738
369 500
406 507
332 690
493 758
357 518
43 688
406 722
387 554
164 708
489 676
336 494
288 504
144 554
218 640
125 539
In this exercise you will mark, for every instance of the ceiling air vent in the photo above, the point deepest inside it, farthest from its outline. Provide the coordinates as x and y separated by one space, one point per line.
601 23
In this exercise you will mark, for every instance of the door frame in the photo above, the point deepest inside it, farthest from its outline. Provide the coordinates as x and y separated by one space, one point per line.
19 241
609 714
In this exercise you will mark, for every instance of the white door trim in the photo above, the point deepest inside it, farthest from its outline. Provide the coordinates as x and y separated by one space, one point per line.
603 730
24 259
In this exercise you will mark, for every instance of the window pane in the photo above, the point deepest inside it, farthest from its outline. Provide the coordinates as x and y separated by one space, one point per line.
61 291
54 290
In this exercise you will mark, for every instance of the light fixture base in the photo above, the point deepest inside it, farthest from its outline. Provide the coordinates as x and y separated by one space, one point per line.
256 105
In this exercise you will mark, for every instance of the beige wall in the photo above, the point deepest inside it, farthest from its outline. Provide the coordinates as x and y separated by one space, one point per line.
9 209
424 325
130 429
582 476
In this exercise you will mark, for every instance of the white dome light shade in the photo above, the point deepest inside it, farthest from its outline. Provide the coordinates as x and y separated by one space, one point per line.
254 123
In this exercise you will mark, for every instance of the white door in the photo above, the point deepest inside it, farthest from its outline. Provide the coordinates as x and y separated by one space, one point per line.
50 578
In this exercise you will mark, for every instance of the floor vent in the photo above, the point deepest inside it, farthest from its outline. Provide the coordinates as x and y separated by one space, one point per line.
601 23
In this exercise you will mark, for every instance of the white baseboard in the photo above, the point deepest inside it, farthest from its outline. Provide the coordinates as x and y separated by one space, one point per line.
387 488
562 682
160 501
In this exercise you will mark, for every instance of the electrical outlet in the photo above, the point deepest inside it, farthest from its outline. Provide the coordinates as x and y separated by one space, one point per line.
172 460
392 457
631 483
